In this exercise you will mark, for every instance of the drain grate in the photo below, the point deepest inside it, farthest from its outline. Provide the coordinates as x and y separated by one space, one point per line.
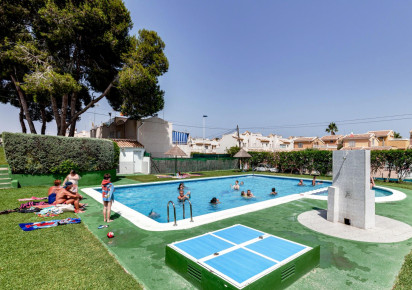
194 273
288 272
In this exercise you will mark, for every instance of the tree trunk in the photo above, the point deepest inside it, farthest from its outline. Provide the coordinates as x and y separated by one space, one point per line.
21 118
73 112
63 125
56 113
43 119
72 128
24 105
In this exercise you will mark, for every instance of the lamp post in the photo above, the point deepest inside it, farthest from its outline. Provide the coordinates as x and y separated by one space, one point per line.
204 146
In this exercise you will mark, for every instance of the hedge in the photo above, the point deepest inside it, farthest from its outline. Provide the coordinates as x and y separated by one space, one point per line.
41 154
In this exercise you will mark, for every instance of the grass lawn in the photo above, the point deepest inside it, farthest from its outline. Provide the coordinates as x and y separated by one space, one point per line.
63 257
2 156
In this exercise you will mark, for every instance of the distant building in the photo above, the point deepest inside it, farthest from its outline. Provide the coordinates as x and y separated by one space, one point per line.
155 134
302 143
254 142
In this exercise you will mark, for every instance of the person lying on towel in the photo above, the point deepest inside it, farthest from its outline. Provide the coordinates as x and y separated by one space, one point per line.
65 196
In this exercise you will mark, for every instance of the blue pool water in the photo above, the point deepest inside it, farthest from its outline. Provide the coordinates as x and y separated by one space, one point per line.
378 192
144 198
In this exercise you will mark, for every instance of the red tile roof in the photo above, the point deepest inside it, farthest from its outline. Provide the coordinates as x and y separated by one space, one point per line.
305 139
331 137
128 143
358 136
380 133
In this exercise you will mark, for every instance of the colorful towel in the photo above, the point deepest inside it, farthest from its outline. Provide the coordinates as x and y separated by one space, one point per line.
32 198
31 203
48 224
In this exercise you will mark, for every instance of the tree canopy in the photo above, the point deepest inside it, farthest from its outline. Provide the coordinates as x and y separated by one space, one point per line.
332 128
55 54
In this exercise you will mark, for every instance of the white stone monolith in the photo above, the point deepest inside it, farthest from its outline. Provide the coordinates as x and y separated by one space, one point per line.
350 199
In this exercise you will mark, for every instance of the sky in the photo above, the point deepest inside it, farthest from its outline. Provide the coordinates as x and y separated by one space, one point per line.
281 67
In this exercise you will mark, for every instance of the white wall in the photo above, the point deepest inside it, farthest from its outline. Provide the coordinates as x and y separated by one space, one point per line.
226 142
131 160
156 136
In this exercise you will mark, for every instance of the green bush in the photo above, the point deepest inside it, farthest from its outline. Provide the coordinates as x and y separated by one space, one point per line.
40 154
304 161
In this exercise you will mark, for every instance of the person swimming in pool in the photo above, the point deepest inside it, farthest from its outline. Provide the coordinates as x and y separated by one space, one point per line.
214 200
236 186
249 194
182 196
301 183
273 191
243 193
314 181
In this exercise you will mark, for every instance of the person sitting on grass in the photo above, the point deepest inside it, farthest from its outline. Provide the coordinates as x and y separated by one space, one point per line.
52 191
214 200
108 197
273 191
65 196
182 196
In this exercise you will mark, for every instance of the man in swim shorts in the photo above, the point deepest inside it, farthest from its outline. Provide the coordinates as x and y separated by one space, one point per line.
65 196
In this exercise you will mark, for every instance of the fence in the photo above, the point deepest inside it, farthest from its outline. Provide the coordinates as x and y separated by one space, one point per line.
167 165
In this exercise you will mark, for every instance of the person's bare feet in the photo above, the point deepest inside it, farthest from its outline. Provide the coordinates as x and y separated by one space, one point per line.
109 221
78 211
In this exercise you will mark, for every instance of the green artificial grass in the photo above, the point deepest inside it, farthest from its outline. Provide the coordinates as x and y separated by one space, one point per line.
2 156
62 257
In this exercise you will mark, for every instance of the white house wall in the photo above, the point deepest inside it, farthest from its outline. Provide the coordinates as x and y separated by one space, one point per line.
156 136
131 160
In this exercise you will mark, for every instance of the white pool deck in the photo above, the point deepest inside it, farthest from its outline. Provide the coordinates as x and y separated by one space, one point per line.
146 223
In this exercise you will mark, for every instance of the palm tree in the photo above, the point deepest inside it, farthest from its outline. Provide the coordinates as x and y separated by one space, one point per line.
397 135
332 128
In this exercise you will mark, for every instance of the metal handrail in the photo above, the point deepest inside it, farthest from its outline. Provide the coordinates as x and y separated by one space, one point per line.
191 215
174 211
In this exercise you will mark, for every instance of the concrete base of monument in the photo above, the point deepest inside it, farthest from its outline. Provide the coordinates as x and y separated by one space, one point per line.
386 230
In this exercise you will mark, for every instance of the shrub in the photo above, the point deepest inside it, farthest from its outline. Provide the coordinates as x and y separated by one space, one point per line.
40 154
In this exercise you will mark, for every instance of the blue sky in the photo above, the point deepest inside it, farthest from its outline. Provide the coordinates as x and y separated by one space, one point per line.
283 67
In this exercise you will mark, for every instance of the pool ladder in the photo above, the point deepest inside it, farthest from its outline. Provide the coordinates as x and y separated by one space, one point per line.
174 211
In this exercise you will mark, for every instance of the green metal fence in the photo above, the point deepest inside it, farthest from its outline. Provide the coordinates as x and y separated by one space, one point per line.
167 165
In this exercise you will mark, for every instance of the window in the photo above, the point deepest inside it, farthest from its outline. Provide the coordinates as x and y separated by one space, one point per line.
352 143
373 142
206 147
282 145
300 145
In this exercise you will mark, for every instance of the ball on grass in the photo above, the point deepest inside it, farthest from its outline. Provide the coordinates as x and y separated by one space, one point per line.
110 235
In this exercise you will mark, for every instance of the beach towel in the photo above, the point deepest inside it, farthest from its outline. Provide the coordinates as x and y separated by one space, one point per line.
48 224
32 198
31 203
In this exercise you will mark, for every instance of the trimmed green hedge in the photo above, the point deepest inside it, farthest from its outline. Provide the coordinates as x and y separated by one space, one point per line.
41 154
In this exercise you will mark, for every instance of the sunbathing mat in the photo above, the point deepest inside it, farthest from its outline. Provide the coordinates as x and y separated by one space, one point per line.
48 224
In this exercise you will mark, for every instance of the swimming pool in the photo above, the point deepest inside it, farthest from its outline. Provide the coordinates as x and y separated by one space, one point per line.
232 204
154 197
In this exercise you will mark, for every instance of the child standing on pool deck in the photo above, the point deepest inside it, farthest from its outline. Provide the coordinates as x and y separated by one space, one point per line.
108 197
